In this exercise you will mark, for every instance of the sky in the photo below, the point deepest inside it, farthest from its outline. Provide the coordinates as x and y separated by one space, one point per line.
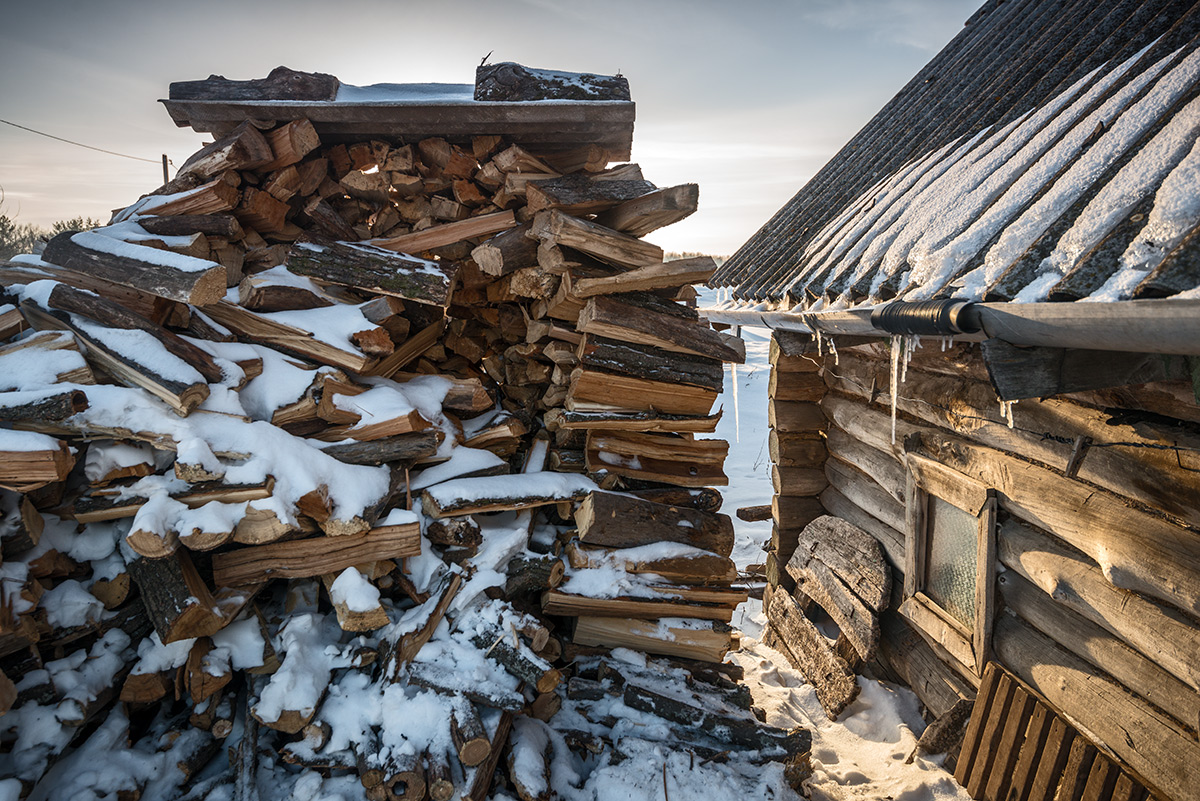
747 98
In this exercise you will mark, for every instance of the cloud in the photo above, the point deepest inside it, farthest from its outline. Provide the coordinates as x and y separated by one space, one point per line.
922 24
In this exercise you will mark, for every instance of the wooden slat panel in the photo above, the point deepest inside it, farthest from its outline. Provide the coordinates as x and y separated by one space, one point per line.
1010 743
1075 774
1054 757
990 741
1101 780
974 734
1032 747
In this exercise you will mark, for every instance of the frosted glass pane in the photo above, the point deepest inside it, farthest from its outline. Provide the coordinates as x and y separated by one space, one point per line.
950 560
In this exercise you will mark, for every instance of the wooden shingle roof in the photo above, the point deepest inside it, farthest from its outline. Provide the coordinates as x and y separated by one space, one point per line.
1045 154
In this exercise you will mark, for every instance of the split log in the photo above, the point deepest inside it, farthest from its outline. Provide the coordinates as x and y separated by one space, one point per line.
402 448
700 567
708 644
179 602
857 623
449 683
613 520
466 496
113 505
375 270
658 457
532 573
313 557
214 197
507 252
30 461
809 652
482 782
591 390
410 643
581 195
181 278
640 216
290 143
214 225
595 240
556 602
508 81
569 420
614 317
243 148
682 272
288 338
350 618
448 234
454 532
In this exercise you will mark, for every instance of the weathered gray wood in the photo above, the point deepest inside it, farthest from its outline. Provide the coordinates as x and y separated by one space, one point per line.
668 275
892 540
280 84
18 407
595 240
375 270
1089 641
865 493
508 81
613 317
858 624
402 448
613 520
851 553
1164 635
138 267
1147 740
650 363
581 194
1019 373
809 652
658 209
883 466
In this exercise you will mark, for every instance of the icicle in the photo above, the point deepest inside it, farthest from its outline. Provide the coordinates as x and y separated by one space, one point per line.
817 332
833 351
895 380
737 418
1006 413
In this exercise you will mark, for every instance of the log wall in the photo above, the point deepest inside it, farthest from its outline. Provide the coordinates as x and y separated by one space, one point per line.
1099 530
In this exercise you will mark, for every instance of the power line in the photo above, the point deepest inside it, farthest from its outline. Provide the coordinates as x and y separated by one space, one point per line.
80 144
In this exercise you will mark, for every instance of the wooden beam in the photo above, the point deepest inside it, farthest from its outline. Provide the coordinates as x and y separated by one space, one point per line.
375 270
1019 373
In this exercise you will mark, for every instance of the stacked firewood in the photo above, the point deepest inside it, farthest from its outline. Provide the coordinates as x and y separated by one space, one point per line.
359 458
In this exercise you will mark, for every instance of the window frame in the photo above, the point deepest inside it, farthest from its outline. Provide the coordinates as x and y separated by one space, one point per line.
926 478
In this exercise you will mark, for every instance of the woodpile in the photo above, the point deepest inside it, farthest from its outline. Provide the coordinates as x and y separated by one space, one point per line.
363 457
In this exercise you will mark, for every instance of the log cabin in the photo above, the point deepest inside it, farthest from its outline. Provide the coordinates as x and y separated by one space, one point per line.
985 376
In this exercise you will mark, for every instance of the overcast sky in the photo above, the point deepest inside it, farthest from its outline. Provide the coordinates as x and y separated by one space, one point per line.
747 98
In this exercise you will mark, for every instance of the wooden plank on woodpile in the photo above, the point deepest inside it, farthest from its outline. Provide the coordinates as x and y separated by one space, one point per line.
615 318
214 197
595 240
649 363
314 556
1156 747
1167 637
658 209
698 567
631 421
591 390
667 458
464 496
448 234
557 602
855 557
708 644
172 276
375 270
809 652
580 195
614 520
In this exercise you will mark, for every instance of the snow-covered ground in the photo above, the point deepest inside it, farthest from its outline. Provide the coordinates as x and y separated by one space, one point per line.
861 755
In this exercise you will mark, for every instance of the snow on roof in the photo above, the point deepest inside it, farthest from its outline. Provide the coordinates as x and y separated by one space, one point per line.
1026 162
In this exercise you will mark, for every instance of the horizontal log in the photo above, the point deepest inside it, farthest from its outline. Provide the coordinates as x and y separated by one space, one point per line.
650 363
613 317
708 644
791 417
465 496
613 520
315 556
631 421
590 390
851 553
655 210
798 481
452 233
681 272
373 269
558 602
181 278
595 240
803 449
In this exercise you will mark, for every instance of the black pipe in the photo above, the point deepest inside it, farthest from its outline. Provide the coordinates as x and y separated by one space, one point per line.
927 317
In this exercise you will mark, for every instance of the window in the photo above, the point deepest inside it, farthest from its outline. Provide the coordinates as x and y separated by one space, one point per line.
950 557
